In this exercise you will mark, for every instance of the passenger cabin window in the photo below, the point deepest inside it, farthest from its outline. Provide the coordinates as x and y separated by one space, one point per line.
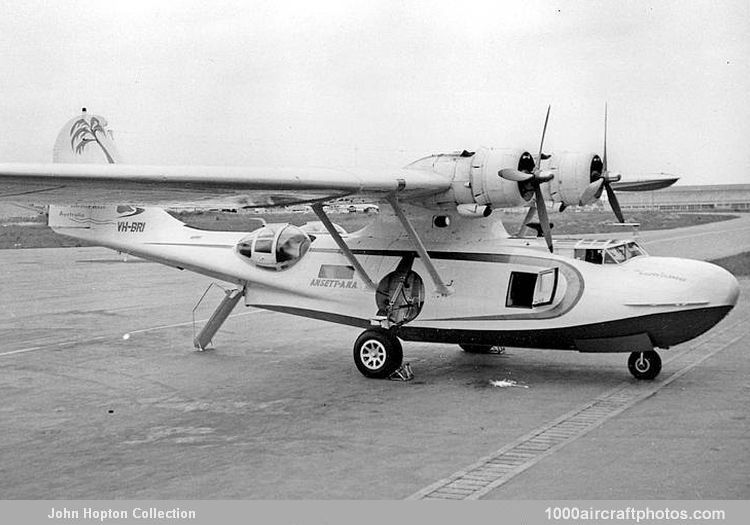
264 240
276 246
336 271
527 290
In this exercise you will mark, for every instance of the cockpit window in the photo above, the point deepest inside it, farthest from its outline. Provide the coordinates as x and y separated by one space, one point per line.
615 255
623 252
590 255
607 252
633 250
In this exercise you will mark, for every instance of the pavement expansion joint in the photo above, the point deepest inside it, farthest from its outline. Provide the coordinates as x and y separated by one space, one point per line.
498 468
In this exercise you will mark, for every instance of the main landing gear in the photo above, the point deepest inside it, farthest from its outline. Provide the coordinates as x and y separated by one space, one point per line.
644 365
378 353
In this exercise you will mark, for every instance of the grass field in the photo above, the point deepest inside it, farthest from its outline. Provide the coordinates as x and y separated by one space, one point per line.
34 233
739 264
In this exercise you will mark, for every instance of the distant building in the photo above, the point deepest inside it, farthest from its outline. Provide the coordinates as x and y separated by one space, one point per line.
719 197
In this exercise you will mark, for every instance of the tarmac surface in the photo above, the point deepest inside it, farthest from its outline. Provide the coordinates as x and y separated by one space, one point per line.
278 410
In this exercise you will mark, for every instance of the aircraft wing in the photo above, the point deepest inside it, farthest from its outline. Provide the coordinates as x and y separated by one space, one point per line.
645 184
239 186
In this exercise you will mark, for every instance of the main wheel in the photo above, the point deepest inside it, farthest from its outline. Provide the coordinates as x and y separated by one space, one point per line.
378 353
644 365
476 349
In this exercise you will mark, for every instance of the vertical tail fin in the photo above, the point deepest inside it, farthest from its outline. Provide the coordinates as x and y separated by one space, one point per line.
86 139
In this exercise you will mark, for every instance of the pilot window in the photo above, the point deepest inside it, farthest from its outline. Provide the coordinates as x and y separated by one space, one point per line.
527 290
612 255
616 255
634 250
589 255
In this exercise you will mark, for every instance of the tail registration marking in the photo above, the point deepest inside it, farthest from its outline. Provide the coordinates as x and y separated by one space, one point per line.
131 227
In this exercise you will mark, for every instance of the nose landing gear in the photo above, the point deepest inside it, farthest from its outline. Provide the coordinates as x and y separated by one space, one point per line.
644 365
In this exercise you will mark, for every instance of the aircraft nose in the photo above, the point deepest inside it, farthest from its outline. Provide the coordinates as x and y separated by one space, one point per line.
719 286
676 281
694 296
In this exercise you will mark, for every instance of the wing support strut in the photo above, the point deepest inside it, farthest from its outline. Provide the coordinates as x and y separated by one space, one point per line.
318 209
419 245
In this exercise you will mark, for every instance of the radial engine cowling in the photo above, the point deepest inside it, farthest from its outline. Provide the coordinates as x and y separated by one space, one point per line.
488 188
573 173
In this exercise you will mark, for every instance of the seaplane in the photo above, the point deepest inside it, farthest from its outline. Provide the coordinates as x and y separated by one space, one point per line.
434 265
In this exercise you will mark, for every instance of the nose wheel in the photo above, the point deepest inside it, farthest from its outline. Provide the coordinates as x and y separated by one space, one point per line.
644 365
378 353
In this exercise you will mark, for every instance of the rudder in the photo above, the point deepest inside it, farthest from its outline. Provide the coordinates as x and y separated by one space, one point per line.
86 139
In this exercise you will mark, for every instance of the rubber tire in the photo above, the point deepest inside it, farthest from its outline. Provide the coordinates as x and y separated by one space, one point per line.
383 341
652 363
476 349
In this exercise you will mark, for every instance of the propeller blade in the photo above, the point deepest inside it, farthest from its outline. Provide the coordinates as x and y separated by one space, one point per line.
589 195
541 144
529 215
541 209
613 176
613 202
544 176
604 160
514 175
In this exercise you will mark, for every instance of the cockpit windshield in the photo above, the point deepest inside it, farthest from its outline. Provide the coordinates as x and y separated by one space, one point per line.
607 252
634 250
615 255
621 253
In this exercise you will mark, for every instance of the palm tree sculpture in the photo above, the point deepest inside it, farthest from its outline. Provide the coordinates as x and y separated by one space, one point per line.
83 132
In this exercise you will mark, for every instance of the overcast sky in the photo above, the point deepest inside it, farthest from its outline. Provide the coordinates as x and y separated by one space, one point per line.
381 83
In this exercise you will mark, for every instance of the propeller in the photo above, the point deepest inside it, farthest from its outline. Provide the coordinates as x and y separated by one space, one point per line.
530 177
602 179
539 178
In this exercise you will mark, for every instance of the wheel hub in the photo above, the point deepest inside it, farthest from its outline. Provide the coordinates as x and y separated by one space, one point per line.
373 354
642 364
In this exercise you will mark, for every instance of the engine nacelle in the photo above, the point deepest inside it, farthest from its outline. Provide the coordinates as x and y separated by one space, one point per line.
487 187
573 172
476 179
